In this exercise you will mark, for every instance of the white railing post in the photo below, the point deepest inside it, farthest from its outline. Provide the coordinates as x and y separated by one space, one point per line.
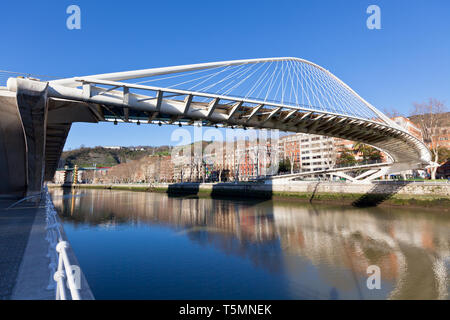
60 267
61 249
60 288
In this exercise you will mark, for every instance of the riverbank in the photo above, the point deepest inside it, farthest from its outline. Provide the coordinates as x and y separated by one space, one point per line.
428 195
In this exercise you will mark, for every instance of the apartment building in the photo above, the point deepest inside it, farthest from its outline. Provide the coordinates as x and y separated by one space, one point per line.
444 137
254 159
410 126
308 153
316 153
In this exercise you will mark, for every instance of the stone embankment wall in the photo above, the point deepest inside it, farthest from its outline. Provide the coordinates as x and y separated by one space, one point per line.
401 188
432 194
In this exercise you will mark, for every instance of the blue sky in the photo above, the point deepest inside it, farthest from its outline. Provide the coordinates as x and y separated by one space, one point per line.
407 60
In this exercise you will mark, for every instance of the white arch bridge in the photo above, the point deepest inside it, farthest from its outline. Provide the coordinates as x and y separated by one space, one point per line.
289 94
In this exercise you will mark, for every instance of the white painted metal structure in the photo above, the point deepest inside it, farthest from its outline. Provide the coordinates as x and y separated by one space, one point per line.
373 171
289 94
62 276
65 270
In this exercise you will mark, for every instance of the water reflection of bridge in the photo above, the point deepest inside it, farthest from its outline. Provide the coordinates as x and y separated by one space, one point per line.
335 244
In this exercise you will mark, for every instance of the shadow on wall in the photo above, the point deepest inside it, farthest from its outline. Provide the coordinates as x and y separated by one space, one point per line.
183 189
223 190
379 193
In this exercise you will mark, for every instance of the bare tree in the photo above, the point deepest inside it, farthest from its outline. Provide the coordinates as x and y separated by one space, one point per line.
291 157
428 116
392 112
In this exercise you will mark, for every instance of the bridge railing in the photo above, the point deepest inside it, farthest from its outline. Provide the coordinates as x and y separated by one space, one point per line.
65 269
60 266
418 182
5 75
357 164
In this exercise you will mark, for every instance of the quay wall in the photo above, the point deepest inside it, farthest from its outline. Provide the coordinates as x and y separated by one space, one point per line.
431 194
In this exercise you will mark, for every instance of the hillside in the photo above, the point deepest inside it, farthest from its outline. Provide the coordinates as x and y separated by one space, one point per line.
106 157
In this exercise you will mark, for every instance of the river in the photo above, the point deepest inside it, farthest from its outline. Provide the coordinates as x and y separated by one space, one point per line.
137 245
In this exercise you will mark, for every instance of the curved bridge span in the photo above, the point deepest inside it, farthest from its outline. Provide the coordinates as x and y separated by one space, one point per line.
289 94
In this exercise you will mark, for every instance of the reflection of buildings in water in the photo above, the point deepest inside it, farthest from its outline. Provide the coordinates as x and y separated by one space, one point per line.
355 239
339 243
237 229
241 220
340 246
342 240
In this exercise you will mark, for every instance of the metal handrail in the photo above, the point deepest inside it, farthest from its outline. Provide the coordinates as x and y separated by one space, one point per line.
423 182
60 266
65 270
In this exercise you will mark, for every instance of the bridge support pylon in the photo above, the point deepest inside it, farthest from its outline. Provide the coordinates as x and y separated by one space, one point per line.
22 140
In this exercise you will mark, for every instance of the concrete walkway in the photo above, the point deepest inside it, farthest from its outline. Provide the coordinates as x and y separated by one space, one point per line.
24 265
15 226
34 274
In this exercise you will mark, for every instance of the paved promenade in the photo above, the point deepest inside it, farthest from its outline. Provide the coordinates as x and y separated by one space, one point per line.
15 227
24 265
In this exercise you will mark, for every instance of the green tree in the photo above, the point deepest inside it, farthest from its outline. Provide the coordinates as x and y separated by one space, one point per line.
367 153
443 154
284 165
346 157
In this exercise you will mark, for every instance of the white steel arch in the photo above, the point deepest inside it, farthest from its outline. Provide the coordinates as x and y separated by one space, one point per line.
286 93
146 73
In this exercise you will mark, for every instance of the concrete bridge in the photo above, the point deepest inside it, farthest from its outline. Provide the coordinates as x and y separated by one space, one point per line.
288 94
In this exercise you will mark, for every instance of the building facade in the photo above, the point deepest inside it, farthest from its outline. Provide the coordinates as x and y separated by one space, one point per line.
308 153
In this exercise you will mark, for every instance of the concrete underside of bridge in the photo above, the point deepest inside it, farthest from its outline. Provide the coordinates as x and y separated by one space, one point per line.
13 175
33 131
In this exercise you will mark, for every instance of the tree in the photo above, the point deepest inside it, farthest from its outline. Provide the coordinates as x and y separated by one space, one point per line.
392 112
443 155
428 116
291 159
346 157
284 165
368 153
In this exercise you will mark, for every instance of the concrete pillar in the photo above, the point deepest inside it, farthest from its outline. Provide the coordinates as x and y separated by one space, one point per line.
32 105
23 124
13 172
